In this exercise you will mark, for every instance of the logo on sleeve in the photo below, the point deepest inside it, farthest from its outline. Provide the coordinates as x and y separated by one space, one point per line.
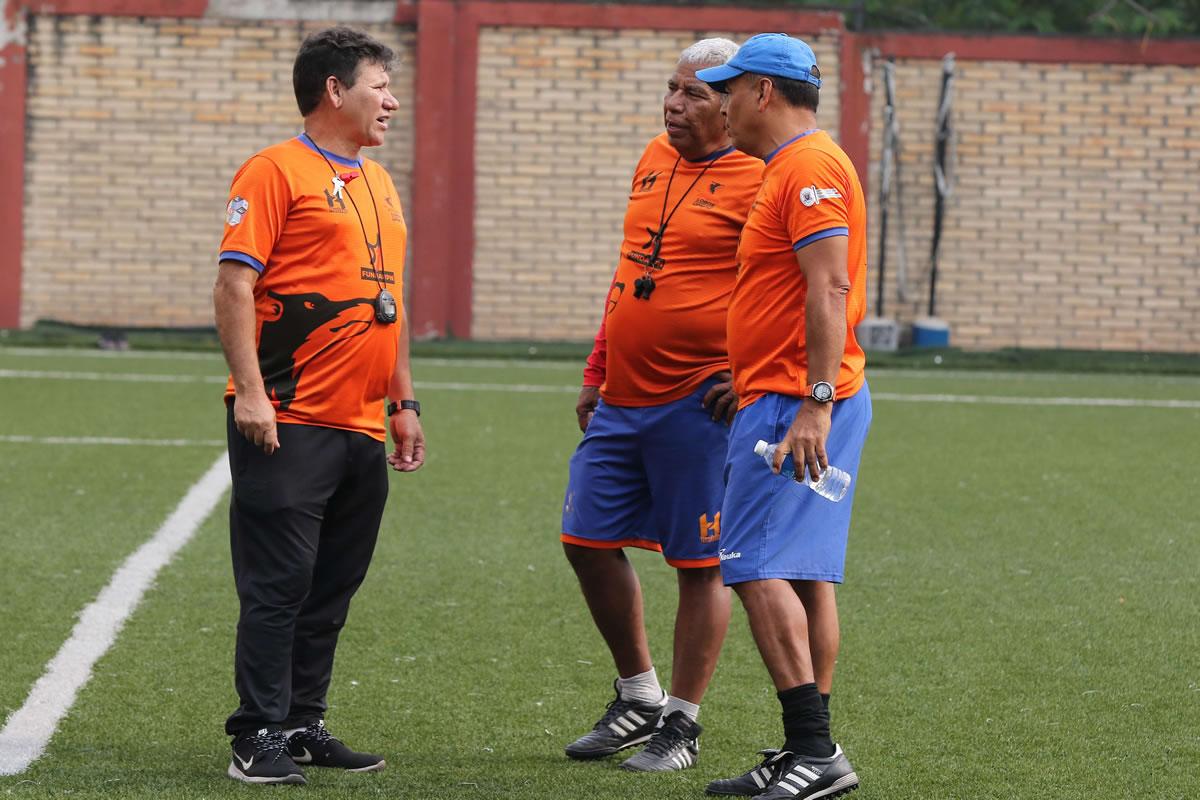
236 210
811 195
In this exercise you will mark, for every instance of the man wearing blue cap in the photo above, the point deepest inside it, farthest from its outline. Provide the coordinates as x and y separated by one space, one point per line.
800 290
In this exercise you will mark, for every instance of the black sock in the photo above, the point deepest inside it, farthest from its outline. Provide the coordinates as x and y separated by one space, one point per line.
805 721
825 701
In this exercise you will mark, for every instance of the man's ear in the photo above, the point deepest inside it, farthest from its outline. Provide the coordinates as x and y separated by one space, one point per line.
766 89
334 90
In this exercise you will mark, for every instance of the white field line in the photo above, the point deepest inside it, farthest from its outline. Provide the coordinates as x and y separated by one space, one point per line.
27 732
555 364
539 388
1002 400
112 440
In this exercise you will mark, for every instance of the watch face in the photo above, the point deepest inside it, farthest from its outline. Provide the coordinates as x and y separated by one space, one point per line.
822 392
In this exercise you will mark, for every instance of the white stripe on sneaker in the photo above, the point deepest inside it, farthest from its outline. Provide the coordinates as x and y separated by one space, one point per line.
806 772
758 781
787 787
636 717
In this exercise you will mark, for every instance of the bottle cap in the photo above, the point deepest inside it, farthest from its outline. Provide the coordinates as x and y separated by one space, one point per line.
760 449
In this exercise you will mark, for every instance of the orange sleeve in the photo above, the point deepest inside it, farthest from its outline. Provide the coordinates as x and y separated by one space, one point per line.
812 200
254 217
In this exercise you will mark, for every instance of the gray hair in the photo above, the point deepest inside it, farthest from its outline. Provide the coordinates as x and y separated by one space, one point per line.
708 53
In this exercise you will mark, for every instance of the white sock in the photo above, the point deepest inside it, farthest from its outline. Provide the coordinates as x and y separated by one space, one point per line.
691 710
642 688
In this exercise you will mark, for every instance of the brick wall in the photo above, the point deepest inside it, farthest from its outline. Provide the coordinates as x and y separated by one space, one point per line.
135 129
1076 216
1075 222
563 116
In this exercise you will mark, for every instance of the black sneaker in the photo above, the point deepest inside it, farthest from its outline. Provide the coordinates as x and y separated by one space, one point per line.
805 778
754 782
673 746
317 746
625 724
262 757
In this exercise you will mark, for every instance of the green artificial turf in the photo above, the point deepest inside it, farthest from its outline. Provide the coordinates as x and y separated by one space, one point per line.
1018 618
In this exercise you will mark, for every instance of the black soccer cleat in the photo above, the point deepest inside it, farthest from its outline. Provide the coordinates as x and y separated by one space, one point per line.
624 724
316 746
754 782
262 757
673 746
808 778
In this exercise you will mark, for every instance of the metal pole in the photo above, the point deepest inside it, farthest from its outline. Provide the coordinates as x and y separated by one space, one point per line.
941 181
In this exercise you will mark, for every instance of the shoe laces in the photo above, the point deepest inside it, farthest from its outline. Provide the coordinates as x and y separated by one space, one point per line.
271 744
317 734
614 709
671 735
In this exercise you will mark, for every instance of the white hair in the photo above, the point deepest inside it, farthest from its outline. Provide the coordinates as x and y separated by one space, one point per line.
708 53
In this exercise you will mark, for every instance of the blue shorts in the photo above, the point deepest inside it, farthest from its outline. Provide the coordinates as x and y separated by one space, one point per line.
650 477
772 526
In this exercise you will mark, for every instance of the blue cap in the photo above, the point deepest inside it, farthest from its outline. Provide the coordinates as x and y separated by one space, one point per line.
773 54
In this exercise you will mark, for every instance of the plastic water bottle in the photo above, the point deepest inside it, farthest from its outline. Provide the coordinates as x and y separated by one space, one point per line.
832 485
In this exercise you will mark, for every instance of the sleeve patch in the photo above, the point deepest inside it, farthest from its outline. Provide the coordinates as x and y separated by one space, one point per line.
811 195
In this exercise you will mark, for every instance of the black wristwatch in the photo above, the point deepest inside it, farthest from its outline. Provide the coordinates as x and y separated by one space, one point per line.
404 405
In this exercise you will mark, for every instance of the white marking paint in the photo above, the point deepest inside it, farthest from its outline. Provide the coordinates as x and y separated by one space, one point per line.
112 440
541 388
28 731
1001 400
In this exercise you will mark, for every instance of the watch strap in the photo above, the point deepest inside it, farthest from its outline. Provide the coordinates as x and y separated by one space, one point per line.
404 405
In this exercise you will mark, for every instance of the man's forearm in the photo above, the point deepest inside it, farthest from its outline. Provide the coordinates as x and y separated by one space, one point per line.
825 333
233 304
400 387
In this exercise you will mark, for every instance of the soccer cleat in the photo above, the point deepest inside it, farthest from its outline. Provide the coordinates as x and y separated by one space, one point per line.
624 724
673 746
808 778
317 746
262 757
754 782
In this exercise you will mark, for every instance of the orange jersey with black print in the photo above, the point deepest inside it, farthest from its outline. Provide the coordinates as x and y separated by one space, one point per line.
810 191
661 346
325 359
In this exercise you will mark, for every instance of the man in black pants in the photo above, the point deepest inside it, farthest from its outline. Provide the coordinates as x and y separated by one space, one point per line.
305 302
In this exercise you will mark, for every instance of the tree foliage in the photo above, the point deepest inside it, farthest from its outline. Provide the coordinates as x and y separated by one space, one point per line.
1101 17
1157 18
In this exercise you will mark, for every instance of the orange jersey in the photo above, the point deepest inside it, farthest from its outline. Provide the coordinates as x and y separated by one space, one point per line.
325 359
810 191
661 348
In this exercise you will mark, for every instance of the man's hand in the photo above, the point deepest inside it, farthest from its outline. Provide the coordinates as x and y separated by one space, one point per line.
254 417
720 399
585 406
805 440
409 453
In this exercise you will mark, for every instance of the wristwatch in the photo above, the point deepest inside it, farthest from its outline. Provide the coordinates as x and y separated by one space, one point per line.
821 392
404 405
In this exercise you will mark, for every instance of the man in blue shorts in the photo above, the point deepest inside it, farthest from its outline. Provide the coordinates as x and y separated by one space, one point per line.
655 408
798 374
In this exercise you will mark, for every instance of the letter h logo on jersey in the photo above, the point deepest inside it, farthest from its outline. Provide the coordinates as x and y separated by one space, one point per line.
710 531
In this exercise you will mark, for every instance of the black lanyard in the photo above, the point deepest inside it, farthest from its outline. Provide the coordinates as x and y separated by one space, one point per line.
664 219
643 286
385 304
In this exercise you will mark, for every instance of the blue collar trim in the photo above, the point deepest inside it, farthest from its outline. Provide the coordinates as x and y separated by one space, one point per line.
711 156
334 157
795 138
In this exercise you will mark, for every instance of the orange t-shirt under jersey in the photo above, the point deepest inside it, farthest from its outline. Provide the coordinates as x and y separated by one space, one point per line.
325 359
810 191
660 349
